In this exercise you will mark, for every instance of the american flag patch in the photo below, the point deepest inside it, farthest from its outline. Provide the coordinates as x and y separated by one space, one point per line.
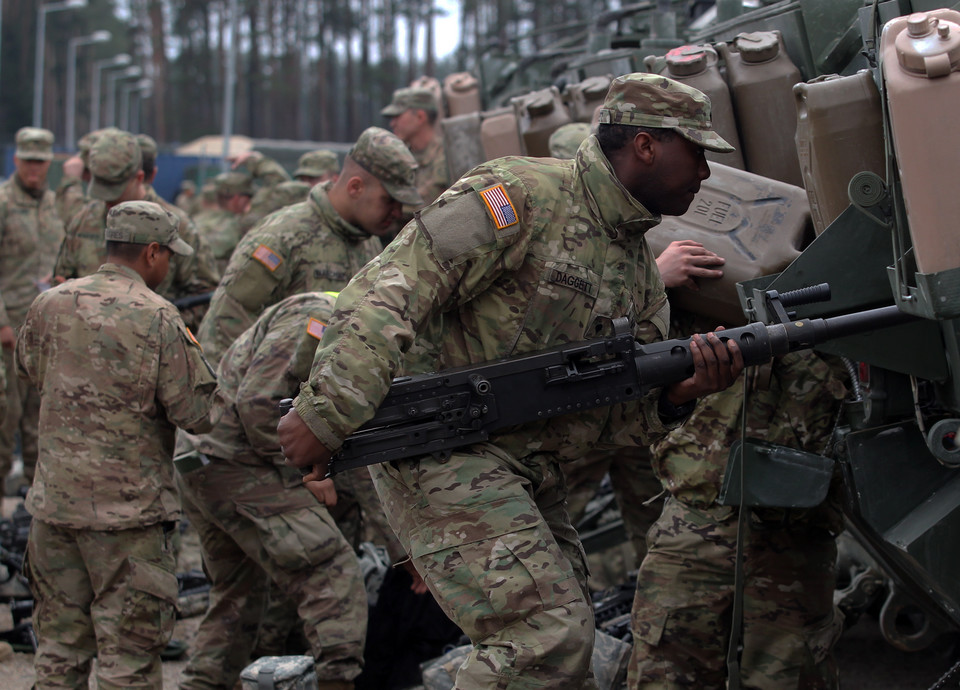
500 207
267 257
316 328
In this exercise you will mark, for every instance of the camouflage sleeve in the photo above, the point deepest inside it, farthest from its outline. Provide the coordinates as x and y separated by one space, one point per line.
66 264
185 384
28 346
69 196
281 361
4 318
266 170
380 311
3 390
197 273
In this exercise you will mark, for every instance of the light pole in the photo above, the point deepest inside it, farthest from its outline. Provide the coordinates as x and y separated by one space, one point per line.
136 87
135 109
121 60
95 37
229 87
42 11
128 73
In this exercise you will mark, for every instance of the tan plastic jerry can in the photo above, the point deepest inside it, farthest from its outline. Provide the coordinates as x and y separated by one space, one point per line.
539 114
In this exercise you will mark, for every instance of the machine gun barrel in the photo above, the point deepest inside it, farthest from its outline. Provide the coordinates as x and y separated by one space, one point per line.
437 412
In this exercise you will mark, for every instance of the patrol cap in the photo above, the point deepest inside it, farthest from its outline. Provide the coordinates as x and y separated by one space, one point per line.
317 164
411 97
34 144
650 100
567 138
114 160
386 157
148 149
233 182
188 186
208 192
143 222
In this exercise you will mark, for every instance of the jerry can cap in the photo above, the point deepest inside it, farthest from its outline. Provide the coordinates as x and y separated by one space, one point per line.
595 86
687 61
463 81
758 46
540 103
930 46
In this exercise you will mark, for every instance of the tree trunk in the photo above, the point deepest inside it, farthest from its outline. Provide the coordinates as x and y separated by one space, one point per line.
160 69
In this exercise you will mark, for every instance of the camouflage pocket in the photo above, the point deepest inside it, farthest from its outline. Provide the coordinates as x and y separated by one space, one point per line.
297 538
149 607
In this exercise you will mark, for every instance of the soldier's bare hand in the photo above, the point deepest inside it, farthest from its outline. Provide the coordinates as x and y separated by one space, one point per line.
8 339
322 489
242 158
715 365
299 446
683 261
418 586
73 167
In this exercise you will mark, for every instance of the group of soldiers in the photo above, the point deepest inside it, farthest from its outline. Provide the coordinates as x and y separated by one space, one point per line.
326 287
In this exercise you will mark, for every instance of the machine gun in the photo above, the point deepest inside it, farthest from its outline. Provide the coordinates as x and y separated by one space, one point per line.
437 412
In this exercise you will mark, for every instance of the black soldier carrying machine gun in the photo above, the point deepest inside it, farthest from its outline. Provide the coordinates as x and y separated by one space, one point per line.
437 412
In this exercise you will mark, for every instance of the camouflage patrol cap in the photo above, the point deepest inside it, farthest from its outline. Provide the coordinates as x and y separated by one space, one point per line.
233 182
386 157
188 186
208 192
317 164
114 160
34 144
567 138
143 222
650 100
411 97
286 193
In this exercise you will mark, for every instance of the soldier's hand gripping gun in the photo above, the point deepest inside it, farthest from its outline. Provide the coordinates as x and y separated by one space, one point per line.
437 412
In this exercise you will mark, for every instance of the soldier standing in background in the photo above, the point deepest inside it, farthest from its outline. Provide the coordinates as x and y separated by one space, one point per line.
256 518
116 166
317 167
117 371
30 231
186 199
315 245
413 117
519 255
72 192
220 227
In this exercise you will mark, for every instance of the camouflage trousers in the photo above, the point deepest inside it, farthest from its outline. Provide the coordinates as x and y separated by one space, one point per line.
109 595
493 541
633 482
681 612
252 530
23 416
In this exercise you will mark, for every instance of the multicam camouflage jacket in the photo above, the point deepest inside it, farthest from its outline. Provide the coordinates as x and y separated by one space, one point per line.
432 176
519 255
30 232
117 371
306 247
71 198
220 229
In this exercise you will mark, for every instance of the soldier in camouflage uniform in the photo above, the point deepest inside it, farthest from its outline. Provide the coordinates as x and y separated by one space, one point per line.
413 117
520 254
220 228
30 232
254 513
117 370
682 611
116 165
72 193
186 199
315 245
273 199
317 167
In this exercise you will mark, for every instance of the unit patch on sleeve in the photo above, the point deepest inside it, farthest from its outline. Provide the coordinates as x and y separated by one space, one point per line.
267 257
316 328
500 207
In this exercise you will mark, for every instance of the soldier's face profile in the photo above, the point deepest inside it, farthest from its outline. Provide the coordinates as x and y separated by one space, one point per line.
376 210
679 168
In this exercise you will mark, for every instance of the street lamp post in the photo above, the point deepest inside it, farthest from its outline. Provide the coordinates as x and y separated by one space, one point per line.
42 11
136 87
128 73
121 60
135 108
95 37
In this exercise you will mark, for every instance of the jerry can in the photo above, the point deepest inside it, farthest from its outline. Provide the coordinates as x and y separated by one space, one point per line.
920 59
462 93
539 113
462 142
499 133
839 133
583 98
758 224
761 78
433 84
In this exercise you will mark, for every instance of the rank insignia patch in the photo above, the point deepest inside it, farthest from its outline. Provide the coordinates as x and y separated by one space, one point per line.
316 328
500 207
267 257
